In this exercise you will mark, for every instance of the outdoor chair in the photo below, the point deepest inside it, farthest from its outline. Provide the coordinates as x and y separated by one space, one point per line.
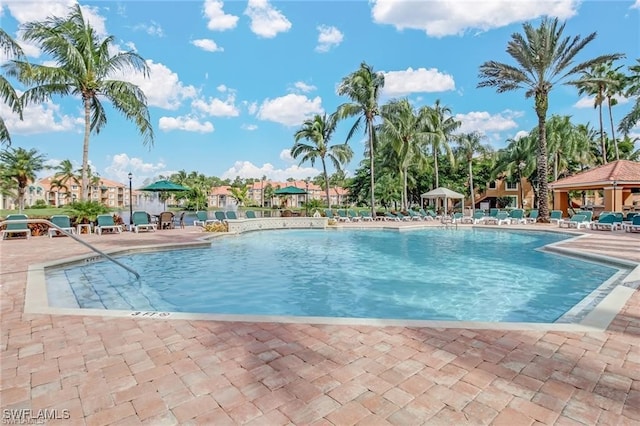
605 223
366 216
141 222
353 215
533 216
634 225
576 221
220 216
106 223
342 216
166 220
16 228
414 216
517 217
391 216
427 215
250 214
478 217
63 222
499 219
231 215
202 219
555 216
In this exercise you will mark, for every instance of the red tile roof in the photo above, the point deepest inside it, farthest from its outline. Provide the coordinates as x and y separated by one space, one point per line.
623 172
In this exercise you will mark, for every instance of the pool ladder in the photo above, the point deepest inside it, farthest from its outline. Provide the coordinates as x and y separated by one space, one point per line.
73 236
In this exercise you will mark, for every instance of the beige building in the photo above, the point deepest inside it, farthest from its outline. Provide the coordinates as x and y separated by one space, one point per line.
520 194
106 191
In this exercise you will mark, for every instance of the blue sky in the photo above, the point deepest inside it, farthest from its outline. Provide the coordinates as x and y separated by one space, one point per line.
232 81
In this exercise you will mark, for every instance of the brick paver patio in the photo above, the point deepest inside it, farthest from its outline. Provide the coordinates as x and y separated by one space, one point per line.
125 371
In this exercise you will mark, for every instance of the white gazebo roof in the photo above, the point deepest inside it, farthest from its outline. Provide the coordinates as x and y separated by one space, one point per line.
443 193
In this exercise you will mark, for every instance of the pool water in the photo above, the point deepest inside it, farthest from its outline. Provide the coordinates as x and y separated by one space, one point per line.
431 274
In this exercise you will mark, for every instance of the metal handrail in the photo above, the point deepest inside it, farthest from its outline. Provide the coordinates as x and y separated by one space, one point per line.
68 234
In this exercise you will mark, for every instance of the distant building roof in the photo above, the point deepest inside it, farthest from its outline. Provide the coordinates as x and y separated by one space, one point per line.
620 172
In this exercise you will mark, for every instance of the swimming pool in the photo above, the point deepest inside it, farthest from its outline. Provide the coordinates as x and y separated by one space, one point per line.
433 274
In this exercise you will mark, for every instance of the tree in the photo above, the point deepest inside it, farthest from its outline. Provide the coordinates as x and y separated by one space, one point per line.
318 131
439 126
240 194
470 145
633 90
84 67
363 88
20 166
616 86
9 49
545 59
401 128
517 159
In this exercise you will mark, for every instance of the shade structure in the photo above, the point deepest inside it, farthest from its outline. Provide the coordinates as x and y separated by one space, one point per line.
444 194
164 186
290 190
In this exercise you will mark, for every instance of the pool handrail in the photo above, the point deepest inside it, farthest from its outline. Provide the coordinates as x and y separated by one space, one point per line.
76 238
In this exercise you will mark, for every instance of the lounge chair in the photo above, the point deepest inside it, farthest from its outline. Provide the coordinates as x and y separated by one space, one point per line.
457 218
577 221
391 216
634 226
516 216
141 222
329 214
500 219
231 215
353 216
342 216
605 223
402 217
427 215
202 219
478 217
533 216
555 216
63 222
415 216
365 216
16 228
106 223
221 217
250 214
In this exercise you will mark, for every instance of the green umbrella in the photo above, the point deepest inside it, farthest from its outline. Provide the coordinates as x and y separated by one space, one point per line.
164 186
289 190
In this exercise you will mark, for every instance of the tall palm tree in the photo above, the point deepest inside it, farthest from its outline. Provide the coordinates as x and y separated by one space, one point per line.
470 145
517 159
65 172
544 58
363 87
57 184
20 166
318 132
401 128
616 86
9 49
633 90
439 126
84 67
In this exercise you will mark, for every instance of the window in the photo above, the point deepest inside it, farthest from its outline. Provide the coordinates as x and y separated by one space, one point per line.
74 186
512 186
492 184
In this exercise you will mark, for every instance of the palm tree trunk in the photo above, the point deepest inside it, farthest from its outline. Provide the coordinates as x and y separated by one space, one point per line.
603 145
21 192
613 131
435 167
371 166
405 193
473 195
84 192
326 182
543 184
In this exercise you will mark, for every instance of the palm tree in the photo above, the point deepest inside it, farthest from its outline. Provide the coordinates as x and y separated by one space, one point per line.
318 132
633 90
439 126
84 67
64 173
517 159
240 194
470 145
616 86
363 88
9 49
545 58
20 166
57 184
401 128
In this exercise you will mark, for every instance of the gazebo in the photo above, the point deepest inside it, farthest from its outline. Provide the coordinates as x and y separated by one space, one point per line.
619 181
444 194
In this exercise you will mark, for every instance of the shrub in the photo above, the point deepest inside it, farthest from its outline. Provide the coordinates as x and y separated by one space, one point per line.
216 227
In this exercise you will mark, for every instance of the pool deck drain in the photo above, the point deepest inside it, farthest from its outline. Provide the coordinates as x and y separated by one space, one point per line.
165 370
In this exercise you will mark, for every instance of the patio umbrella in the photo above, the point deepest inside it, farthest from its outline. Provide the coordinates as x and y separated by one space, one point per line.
164 186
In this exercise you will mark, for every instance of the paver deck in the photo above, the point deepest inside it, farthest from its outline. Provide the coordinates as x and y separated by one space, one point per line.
97 370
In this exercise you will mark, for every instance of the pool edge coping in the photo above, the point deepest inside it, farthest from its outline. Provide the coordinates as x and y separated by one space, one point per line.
597 320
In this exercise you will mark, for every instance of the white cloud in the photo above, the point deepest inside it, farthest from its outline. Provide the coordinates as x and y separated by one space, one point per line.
153 29
186 123
285 155
122 164
445 18
266 20
328 37
588 101
40 118
483 122
520 134
290 110
163 88
400 83
207 45
303 87
222 88
246 169
252 107
216 107
636 5
218 20
249 127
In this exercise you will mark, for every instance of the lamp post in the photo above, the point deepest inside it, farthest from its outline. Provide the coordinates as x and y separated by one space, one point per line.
130 203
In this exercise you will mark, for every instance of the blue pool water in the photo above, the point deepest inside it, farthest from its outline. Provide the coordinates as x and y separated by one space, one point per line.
436 274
